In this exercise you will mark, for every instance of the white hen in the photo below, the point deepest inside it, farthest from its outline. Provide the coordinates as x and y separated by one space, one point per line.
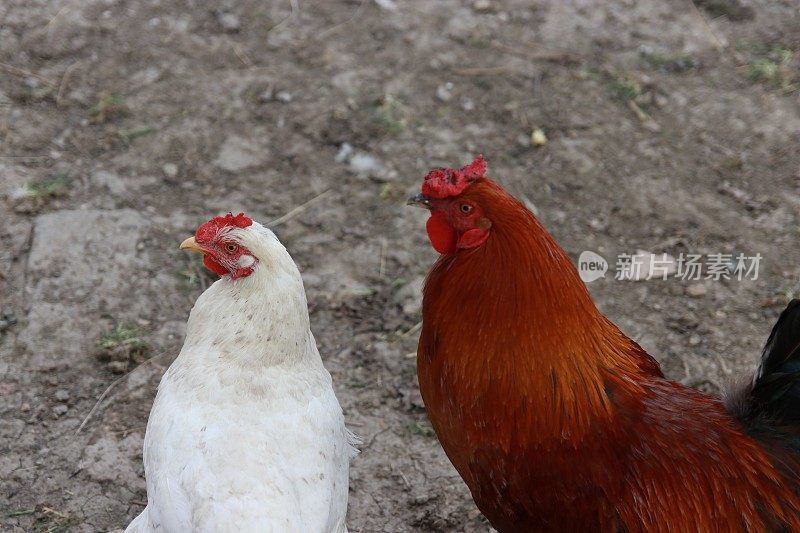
245 433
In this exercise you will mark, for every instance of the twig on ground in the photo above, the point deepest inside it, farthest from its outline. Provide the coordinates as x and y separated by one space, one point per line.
241 55
483 71
382 262
646 119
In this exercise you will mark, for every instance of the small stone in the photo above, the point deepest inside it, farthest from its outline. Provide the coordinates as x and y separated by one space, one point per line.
229 22
696 290
25 407
388 5
345 153
62 395
266 95
22 201
238 153
60 410
444 92
694 340
598 224
284 96
146 76
111 181
170 170
482 6
467 105
109 460
367 165
538 137
7 319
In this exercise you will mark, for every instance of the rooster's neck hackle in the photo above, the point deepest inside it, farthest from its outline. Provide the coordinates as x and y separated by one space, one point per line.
561 351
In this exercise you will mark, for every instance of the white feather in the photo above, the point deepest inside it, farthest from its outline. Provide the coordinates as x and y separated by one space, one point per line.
246 433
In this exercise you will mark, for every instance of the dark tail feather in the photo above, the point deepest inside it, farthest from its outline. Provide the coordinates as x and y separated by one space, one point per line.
771 403
776 386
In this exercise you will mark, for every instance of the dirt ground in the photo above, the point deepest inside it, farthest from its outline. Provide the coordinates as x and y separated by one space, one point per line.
670 127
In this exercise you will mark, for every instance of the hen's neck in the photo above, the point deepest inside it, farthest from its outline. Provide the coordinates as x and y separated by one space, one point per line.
258 320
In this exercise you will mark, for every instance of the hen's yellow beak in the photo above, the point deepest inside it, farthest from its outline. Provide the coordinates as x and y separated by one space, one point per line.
191 244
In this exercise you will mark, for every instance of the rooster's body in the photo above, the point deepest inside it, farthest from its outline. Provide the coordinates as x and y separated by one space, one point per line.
246 433
559 422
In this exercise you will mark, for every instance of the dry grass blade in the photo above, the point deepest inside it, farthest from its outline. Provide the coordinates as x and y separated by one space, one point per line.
111 387
52 21
719 43
50 510
64 81
295 10
299 209
333 29
22 73
554 56
413 329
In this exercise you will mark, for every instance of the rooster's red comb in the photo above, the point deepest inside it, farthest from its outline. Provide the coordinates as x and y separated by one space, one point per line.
207 231
444 182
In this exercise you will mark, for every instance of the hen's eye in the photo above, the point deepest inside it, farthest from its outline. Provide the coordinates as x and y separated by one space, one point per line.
466 208
230 248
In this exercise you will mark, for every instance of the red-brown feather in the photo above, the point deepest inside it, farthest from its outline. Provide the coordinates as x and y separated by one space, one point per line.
559 422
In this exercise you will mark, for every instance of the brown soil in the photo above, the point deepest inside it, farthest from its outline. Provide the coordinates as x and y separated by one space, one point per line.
125 124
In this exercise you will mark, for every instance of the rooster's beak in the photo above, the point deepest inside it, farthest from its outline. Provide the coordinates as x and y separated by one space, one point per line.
191 244
419 200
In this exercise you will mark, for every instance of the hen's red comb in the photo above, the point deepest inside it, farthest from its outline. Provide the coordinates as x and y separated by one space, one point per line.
444 182
206 232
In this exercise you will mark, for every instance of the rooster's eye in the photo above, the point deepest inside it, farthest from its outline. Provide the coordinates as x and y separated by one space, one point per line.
466 208
230 248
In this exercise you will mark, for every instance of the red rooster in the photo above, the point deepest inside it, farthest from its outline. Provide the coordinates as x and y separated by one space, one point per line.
556 420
